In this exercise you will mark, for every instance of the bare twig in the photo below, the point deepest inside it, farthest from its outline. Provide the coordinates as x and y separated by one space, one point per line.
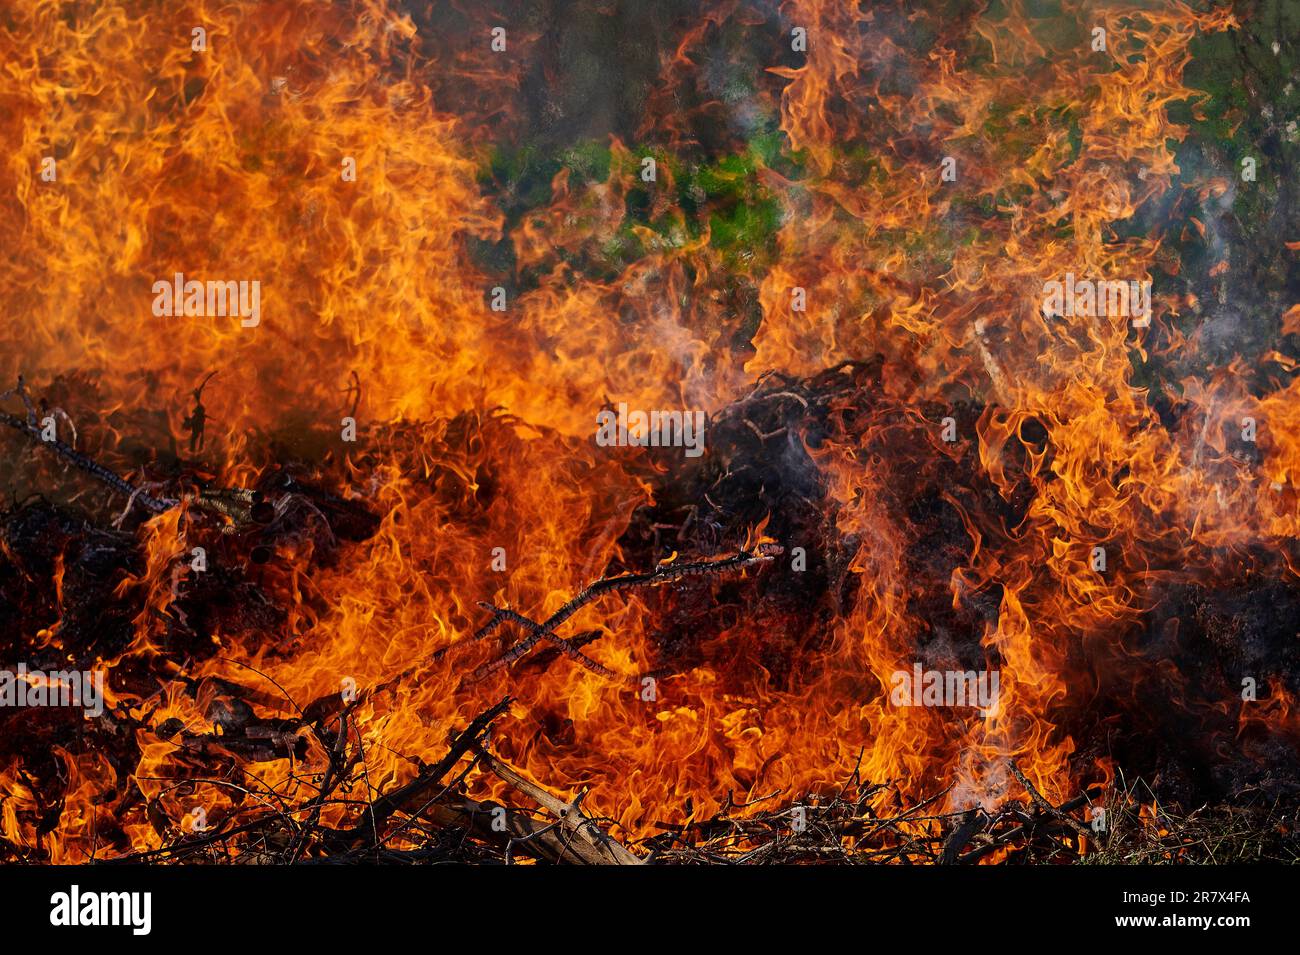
664 573
1042 803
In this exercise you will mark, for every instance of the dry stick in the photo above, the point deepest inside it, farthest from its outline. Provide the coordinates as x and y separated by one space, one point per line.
867 827
384 807
439 797
333 777
484 820
92 467
662 574
1007 838
481 633
762 554
570 814
839 818
189 847
544 658
1042 803
971 820
539 632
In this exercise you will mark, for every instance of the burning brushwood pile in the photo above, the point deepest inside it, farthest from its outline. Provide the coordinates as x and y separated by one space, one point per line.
615 433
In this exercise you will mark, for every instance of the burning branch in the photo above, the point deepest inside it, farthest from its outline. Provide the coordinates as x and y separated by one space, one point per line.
764 553
32 429
410 795
1041 802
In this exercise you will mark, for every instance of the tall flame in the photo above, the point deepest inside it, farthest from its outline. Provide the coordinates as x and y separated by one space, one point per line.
476 424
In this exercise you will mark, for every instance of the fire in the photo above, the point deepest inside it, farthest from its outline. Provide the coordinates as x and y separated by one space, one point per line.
475 452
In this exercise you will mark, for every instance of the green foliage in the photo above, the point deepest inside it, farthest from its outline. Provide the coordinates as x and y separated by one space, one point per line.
521 175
